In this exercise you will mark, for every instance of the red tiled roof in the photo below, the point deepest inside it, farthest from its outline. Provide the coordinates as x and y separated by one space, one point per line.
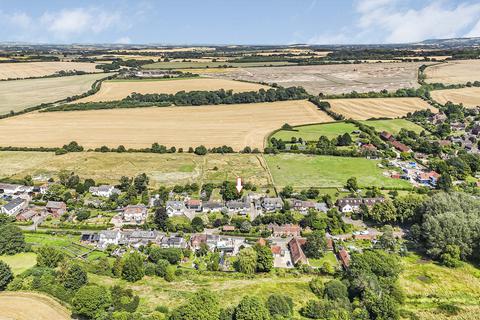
344 257
296 251
400 146
276 249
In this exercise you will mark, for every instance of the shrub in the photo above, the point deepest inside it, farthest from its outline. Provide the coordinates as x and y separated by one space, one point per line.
6 275
280 306
91 301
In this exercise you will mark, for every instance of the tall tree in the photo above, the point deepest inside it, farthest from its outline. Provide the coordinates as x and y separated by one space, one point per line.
6 275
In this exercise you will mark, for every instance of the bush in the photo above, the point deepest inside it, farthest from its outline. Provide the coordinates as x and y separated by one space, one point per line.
6 275
317 287
12 240
75 278
133 269
49 257
202 305
91 301
336 290
251 308
280 306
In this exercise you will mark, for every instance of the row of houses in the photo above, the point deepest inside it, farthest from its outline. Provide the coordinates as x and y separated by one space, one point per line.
347 205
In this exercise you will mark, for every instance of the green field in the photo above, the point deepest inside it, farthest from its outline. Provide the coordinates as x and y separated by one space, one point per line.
393 126
328 257
194 65
163 169
315 131
301 171
427 284
20 262
231 287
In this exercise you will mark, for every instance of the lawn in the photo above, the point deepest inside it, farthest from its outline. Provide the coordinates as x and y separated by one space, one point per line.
393 126
193 64
162 169
231 287
301 171
20 262
328 257
315 131
427 284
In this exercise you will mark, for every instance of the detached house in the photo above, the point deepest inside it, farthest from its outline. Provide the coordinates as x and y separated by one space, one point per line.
135 213
175 208
286 230
56 208
10 189
195 205
272 204
103 191
237 206
346 205
13 207
296 251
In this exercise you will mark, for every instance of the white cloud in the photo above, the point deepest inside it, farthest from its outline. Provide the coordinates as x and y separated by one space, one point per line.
124 40
437 19
20 19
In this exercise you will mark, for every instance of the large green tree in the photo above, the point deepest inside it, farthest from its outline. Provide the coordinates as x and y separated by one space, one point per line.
133 267
315 245
75 278
246 261
11 239
91 302
251 308
49 257
202 305
6 275
264 258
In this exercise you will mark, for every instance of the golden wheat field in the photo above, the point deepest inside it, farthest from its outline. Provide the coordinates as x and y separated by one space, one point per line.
363 109
119 89
40 69
470 97
454 72
27 306
233 125
17 95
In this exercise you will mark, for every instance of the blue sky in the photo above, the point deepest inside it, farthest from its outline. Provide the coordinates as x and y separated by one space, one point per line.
237 21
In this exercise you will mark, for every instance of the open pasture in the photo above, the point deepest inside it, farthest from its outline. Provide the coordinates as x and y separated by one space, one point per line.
28 305
17 95
393 126
311 132
454 72
363 109
470 97
162 169
334 79
232 125
303 171
117 90
40 69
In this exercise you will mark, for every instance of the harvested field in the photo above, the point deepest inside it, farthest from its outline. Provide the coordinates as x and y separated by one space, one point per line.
334 79
363 109
233 125
454 72
119 89
40 69
20 94
27 306
218 64
162 169
470 97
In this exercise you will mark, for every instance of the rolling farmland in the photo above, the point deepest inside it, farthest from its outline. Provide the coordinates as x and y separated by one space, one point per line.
162 169
363 109
333 79
119 89
40 69
470 97
454 72
26 306
20 94
233 125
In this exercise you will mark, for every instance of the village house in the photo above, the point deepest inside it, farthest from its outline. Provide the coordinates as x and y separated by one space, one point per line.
196 240
29 214
103 191
135 214
175 208
212 206
143 237
173 242
304 206
344 258
56 208
386 136
438 118
237 206
368 147
109 237
296 251
272 204
10 189
428 178
89 238
400 146
286 230
14 206
347 205
195 205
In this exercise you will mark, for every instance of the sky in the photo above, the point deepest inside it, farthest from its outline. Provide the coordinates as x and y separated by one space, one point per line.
268 22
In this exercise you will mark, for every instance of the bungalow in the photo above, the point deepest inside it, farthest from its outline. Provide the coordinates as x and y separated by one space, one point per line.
344 258
195 205
56 208
272 204
13 207
237 206
103 191
286 230
296 251
135 213
212 206
428 178
175 208
386 136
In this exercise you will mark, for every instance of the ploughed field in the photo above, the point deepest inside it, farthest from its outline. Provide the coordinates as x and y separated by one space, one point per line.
470 97
20 70
119 89
454 72
162 169
17 95
232 125
333 79
363 109
28 306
